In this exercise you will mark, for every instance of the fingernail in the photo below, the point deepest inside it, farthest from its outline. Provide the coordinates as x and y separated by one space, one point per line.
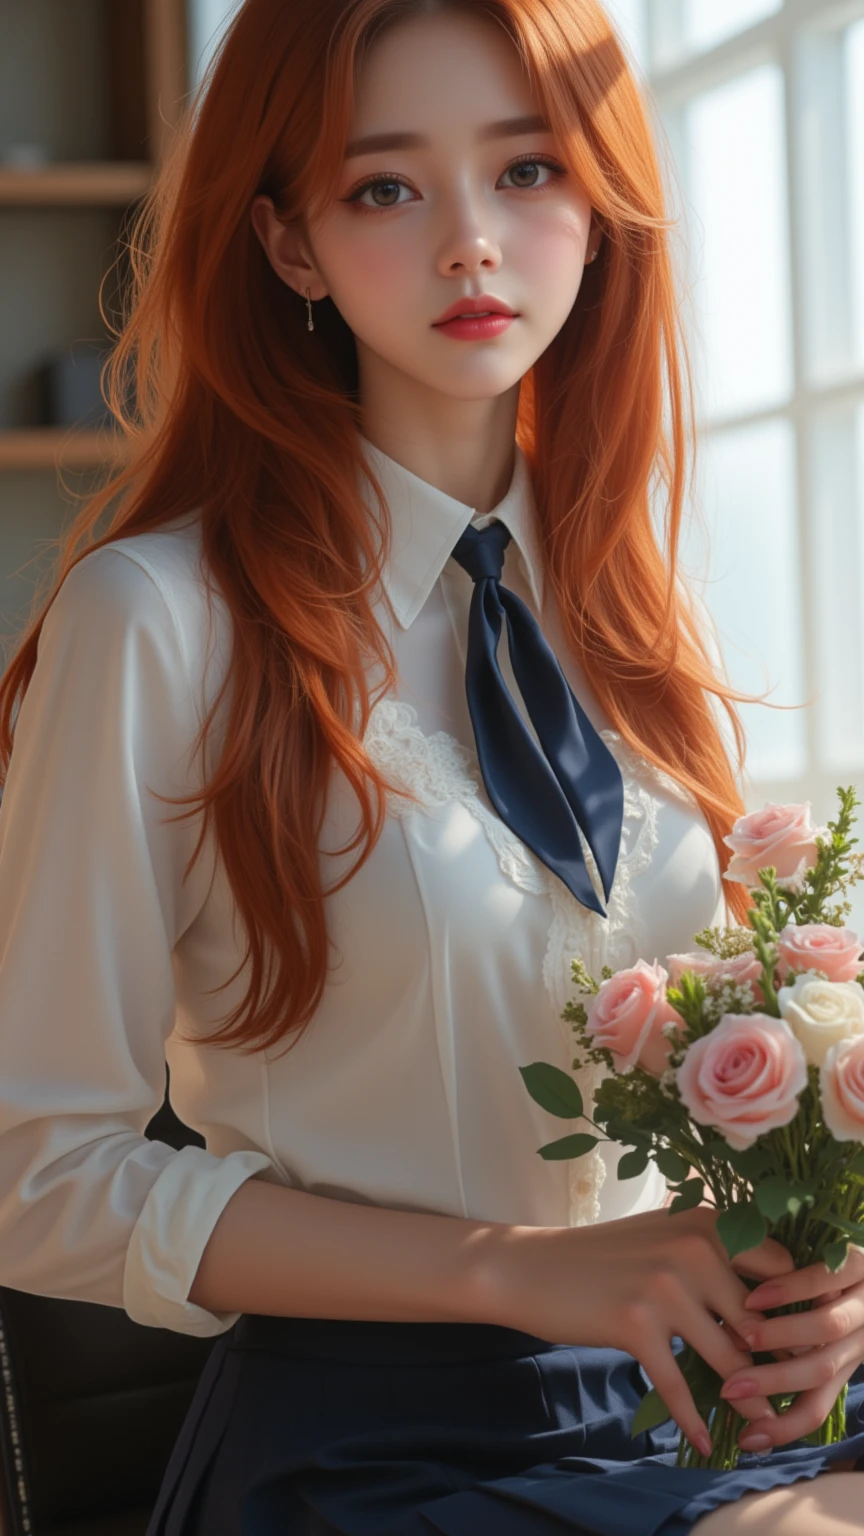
705 1443
743 1388
765 1296
754 1442
748 1334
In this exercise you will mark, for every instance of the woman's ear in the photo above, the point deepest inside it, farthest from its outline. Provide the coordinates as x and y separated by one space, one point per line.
595 237
283 246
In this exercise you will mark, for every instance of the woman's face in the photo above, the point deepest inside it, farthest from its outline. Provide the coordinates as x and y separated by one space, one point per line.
452 216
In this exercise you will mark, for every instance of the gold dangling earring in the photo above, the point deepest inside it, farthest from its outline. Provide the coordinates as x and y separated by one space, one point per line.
310 324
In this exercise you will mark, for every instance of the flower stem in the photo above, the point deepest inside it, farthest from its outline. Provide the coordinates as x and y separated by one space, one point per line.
727 1424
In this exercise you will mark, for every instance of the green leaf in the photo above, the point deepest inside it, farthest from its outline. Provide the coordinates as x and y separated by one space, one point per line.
633 1163
857 1163
854 1229
671 1164
752 1163
741 1227
835 1254
651 1411
691 1194
628 1135
553 1089
568 1146
777 1197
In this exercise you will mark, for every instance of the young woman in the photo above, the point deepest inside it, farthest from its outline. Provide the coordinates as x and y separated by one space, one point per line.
331 500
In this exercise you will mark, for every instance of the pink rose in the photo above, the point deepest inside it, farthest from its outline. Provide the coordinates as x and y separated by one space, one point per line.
744 1078
739 968
819 947
781 835
841 1086
627 1014
702 962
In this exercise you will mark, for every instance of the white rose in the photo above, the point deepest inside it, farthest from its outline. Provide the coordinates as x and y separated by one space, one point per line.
822 1013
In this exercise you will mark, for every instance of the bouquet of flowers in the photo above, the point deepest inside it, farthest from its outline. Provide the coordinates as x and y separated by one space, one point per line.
739 1071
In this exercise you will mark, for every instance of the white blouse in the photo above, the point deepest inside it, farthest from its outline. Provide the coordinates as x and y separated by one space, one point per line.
450 950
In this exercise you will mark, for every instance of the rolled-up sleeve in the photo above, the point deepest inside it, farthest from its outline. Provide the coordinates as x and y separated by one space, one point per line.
92 903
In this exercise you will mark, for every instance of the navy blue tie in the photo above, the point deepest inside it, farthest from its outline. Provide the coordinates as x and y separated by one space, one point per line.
542 798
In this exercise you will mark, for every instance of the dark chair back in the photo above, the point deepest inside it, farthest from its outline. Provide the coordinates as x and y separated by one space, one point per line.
91 1404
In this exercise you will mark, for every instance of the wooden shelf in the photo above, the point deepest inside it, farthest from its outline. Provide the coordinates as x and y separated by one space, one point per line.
138 62
49 447
109 183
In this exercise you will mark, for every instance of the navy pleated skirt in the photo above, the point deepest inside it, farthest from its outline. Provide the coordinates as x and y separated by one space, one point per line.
313 1427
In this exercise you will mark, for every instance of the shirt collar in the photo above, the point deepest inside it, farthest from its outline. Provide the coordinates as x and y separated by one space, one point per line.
426 525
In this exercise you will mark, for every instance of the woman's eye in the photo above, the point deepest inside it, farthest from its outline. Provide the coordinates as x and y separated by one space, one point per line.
376 184
530 165
390 184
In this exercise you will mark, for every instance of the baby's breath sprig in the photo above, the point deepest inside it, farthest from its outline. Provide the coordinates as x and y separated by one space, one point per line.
725 943
581 977
577 1015
792 975
725 996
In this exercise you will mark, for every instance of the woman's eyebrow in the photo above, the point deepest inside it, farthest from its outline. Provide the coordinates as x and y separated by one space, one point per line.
510 126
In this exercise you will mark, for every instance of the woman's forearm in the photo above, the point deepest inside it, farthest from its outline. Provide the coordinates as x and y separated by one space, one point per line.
286 1253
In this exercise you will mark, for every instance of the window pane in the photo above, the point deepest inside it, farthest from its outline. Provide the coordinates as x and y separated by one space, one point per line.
706 22
837 493
682 28
734 168
207 22
830 81
747 489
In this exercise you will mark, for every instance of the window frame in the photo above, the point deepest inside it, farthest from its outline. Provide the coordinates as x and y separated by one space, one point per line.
776 39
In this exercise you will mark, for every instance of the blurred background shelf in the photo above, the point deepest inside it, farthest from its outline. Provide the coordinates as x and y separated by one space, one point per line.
91 92
111 184
47 447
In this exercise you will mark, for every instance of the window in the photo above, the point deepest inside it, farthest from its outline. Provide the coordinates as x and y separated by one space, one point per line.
760 105
207 21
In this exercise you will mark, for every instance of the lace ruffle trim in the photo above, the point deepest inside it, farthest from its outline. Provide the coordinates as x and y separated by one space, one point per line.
438 769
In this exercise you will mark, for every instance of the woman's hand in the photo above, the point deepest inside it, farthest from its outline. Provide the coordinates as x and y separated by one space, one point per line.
826 1347
634 1284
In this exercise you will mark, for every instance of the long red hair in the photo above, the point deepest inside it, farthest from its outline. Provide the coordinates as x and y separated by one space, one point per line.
237 416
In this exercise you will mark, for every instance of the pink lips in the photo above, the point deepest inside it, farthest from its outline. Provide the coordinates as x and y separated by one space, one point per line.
469 308
476 327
